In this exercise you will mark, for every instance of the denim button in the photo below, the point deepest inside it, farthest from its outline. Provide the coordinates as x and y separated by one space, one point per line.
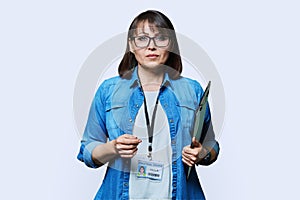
174 162
173 141
171 120
174 184
137 105
130 120
125 184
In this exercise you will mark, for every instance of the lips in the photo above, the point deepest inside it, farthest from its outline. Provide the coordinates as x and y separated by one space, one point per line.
152 56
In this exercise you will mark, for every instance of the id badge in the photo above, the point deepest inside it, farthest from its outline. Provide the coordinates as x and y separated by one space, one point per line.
150 169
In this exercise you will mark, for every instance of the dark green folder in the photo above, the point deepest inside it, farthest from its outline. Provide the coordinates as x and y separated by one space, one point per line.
199 119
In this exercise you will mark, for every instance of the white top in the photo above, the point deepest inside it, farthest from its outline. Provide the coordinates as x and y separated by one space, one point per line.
144 188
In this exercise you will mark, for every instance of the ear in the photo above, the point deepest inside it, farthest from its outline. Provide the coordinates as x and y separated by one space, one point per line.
131 46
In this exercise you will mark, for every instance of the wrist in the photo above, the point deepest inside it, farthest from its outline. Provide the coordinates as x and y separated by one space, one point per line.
204 156
113 148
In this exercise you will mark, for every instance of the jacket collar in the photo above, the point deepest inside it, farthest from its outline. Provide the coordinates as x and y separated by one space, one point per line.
134 81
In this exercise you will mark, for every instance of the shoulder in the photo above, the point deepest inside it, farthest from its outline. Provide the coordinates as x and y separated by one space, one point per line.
110 82
188 83
106 86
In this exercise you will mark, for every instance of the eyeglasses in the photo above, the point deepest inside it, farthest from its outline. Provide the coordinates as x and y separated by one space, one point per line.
144 41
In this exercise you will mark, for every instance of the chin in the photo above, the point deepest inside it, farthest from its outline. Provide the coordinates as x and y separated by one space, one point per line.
152 65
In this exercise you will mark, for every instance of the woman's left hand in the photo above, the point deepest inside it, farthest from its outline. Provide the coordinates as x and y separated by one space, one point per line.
191 156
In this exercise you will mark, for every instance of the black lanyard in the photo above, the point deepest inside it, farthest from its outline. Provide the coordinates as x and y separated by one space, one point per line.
150 127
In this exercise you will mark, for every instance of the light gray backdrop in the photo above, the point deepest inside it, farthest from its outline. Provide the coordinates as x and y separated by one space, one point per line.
254 45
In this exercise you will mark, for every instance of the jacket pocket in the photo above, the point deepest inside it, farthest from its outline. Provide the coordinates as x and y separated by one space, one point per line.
115 113
187 113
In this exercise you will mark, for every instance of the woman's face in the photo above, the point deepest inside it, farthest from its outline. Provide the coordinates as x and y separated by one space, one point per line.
150 56
142 170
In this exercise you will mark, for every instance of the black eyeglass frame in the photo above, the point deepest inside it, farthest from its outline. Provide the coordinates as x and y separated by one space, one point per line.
151 38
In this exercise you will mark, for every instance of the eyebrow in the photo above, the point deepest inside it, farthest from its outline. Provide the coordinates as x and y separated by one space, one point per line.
143 33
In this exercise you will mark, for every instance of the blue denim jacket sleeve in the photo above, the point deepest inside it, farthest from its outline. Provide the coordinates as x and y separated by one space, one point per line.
95 132
208 139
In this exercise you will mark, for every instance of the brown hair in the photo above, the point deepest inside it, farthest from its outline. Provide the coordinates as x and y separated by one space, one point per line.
160 21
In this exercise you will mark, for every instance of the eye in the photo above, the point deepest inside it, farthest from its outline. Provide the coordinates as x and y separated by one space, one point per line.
161 38
141 38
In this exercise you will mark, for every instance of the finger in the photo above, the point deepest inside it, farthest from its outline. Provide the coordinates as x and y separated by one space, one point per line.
126 153
184 160
125 140
195 142
125 146
129 136
190 158
190 151
187 149
128 156
187 162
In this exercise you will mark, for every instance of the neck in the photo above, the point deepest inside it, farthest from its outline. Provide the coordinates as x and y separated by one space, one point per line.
150 79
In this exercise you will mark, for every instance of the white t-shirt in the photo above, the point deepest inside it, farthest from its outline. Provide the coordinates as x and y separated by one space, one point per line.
144 188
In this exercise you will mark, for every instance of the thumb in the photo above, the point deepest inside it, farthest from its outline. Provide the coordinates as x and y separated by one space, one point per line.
195 142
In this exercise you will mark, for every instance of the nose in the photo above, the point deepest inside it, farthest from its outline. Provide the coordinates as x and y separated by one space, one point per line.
151 44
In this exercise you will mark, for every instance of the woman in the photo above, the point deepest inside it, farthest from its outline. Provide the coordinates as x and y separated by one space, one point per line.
144 117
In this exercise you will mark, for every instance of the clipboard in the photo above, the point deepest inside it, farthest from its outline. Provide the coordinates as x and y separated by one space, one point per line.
199 119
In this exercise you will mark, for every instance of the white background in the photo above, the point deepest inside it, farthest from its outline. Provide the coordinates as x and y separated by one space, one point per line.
254 45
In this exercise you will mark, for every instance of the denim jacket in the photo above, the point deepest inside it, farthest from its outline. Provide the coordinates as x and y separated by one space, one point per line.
113 112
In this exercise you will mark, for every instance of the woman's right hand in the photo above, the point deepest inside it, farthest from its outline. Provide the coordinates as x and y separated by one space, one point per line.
126 145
